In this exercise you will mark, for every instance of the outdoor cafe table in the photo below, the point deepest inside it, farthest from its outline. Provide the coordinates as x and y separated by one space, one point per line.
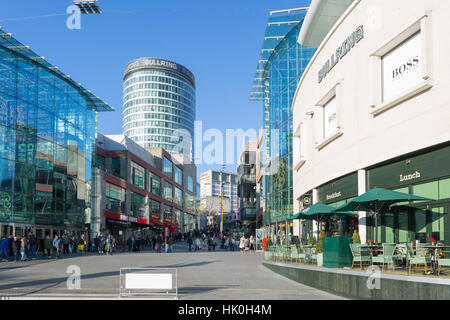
435 252
371 248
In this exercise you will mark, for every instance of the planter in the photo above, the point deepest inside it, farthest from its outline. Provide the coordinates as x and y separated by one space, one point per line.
319 259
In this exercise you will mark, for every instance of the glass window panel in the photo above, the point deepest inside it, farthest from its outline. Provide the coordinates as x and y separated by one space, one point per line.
7 169
437 223
8 75
444 189
421 224
7 143
115 166
178 175
428 190
45 124
155 187
167 169
168 191
403 230
389 228
7 110
137 175
137 205
190 184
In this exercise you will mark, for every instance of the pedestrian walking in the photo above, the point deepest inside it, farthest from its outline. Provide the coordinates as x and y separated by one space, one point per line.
252 243
4 249
246 244
16 248
57 245
66 243
32 246
23 249
242 244
48 246
232 243
189 242
169 244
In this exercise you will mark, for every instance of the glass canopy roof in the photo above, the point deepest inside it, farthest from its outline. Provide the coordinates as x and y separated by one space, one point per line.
7 41
278 25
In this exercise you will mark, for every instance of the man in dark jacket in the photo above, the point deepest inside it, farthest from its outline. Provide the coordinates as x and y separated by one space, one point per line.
32 245
16 248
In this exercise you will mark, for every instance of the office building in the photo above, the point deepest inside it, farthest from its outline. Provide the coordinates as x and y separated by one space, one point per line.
159 105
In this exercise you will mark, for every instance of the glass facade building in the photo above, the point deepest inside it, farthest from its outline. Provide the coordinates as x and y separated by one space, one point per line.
159 105
47 139
280 67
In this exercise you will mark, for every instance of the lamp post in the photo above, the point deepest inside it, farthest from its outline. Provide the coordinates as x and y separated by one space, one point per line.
221 189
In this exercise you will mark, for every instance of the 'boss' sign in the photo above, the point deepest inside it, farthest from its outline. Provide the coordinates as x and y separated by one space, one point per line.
405 68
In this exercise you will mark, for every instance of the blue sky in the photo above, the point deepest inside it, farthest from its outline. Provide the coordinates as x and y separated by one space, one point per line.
219 41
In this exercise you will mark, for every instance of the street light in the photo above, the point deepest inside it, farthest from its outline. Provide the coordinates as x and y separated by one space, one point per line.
88 6
221 189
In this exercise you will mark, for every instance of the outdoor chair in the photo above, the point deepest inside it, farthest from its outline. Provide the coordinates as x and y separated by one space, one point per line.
417 257
311 254
359 255
400 252
443 262
301 254
295 255
387 255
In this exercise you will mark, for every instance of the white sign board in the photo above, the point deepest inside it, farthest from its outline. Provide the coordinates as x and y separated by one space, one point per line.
161 281
401 68
330 118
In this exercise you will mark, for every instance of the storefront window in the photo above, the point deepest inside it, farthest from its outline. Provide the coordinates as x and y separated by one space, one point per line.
155 185
167 169
428 190
421 223
137 175
137 205
444 189
437 223
389 228
403 232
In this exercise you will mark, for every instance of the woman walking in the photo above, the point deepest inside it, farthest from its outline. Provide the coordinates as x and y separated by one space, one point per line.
242 244
23 249
247 244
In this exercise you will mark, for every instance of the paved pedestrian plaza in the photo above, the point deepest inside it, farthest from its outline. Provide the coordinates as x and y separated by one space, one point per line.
202 275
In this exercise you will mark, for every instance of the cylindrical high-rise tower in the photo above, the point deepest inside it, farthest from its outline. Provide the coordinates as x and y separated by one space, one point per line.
159 104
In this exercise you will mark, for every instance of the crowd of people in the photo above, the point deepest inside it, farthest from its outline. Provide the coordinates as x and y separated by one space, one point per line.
30 248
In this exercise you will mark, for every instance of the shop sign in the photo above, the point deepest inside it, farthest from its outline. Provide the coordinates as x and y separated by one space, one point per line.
401 67
415 175
154 216
330 118
413 170
333 195
341 51
343 188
